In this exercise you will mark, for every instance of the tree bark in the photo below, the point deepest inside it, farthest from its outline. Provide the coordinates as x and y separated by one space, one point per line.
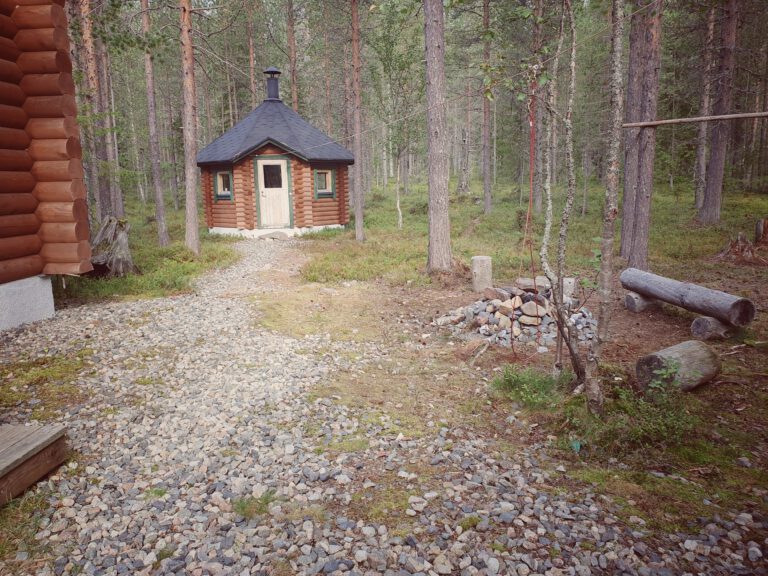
642 100
99 159
192 234
487 198
709 213
593 387
687 365
292 63
357 137
538 44
154 143
705 109
251 60
721 305
439 249
113 153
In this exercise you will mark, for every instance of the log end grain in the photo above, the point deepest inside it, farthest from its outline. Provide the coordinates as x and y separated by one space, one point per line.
634 302
708 328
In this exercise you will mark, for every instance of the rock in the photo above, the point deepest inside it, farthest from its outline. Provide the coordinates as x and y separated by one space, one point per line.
526 284
442 565
492 293
754 554
492 564
542 283
744 462
529 320
691 545
361 556
533 309
504 322
449 319
743 519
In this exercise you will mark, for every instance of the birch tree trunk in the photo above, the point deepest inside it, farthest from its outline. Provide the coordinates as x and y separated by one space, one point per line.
593 387
192 234
700 170
439 249
357 137
154 143
487 199
565 330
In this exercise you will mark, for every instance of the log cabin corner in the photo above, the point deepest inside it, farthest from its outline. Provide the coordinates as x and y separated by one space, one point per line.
43 212
274 172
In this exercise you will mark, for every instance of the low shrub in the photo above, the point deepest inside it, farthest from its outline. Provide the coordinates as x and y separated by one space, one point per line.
532 388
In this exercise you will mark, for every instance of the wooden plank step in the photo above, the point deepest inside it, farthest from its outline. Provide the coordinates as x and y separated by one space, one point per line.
27 454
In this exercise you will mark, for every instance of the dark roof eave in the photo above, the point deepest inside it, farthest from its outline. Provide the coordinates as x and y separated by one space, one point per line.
287 149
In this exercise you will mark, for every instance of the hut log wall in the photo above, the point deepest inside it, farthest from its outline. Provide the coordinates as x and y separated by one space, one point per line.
43 215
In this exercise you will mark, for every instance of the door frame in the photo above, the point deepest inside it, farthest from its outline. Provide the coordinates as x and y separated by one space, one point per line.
257 192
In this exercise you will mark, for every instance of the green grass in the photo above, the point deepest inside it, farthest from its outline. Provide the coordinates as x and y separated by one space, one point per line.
19 522
251 507
162 271
51 380
399 256
531 387
155 493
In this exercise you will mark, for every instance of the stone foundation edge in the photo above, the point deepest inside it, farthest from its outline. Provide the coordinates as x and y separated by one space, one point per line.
25 301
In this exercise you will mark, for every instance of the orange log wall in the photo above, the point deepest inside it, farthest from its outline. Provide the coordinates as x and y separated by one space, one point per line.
43 214
240 212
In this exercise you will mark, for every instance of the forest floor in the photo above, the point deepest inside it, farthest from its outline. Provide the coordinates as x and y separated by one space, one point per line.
268 424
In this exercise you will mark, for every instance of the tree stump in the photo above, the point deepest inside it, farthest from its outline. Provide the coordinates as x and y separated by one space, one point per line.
688 365
708 328
111 249
482 274
634 302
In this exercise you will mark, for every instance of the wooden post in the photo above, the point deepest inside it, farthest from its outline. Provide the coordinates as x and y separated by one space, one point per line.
482 274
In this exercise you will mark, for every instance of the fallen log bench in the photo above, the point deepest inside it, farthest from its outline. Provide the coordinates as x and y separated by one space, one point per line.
688 365
714 303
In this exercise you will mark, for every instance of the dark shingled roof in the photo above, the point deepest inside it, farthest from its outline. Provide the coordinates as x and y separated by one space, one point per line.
272 122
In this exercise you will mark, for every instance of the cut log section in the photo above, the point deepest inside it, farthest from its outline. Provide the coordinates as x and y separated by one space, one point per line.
63 231
8 49
43 16
17 204
50 106
721 305
75 211
634 302
42 39
19 268
58 170
50 62
14 160
18 246
52 127
687 365
9 71
47 84
708 328
13 117
18 225
60 191
68 268
16 182
66 251
13 139
55 149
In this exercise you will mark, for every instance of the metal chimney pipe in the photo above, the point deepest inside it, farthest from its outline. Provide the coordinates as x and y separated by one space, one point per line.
273 83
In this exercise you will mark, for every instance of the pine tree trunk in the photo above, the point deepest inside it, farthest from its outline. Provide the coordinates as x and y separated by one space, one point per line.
538 45
113 154
154 143
192 234
593 387
720 133
487 199
439 250
705 109
754 129
292 64
641 144
99 158
357 142
252 62
327 74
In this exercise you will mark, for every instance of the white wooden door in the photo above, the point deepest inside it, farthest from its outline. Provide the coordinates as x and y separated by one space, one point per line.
273 193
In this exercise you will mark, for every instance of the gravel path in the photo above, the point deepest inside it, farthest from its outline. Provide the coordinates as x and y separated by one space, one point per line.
201 451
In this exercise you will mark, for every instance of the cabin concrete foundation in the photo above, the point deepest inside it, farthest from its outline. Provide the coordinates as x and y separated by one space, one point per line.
24 301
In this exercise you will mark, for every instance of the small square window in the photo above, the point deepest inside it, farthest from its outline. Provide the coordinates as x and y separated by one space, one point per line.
223 186
273 176
324 184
